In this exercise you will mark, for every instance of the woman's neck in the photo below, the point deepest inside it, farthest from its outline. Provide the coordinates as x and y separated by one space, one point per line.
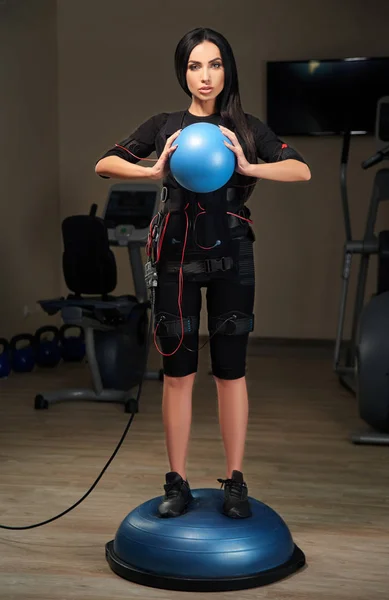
200 108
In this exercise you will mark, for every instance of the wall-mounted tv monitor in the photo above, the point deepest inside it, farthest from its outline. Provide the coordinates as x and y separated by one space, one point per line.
325 97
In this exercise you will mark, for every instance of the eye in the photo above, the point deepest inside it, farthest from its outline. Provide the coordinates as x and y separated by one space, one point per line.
193 67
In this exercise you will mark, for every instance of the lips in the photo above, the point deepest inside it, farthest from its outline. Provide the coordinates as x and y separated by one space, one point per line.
206 89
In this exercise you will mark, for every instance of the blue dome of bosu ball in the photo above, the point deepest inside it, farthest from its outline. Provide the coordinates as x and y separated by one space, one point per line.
203 550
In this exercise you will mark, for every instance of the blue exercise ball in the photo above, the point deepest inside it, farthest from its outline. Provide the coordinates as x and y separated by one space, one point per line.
203 550
202 163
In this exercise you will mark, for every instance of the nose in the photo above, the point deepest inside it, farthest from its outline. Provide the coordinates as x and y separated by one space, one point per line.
205 75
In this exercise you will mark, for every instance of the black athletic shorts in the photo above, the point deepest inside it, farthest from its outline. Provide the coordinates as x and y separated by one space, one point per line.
228 352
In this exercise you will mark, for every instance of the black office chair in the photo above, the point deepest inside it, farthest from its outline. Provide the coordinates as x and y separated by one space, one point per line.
115 327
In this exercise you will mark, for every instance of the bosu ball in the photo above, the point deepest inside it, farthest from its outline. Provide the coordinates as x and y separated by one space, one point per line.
203 550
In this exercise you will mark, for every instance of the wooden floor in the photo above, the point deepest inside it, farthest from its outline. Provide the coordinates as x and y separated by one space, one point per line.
299 460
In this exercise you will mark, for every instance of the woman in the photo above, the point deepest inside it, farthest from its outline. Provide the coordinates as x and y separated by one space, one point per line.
207 242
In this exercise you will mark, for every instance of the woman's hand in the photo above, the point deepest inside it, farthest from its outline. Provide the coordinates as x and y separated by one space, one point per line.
242 164
161 167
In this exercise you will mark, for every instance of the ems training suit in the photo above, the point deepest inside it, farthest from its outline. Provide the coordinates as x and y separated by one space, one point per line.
218 252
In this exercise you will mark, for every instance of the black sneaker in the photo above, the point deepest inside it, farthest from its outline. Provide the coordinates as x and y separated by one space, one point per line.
177 496
236 504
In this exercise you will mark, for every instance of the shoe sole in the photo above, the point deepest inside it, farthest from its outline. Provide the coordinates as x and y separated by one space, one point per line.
172 514
232 516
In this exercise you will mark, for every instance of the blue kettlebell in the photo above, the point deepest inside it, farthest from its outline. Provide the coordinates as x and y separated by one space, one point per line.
5 363
72 346
202 163
22 357
48 351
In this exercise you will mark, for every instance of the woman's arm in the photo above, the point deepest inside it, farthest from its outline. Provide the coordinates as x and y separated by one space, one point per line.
285 170
281 163
121 161
114 166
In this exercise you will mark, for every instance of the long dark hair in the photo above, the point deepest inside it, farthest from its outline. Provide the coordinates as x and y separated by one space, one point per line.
228 102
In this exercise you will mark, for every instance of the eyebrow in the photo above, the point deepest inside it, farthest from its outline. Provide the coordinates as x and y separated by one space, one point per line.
196 62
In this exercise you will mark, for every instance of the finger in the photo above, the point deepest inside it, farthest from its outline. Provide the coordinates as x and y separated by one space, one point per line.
231 147
174 136
229 138
170 141
225 128
228 133
167 153
233 141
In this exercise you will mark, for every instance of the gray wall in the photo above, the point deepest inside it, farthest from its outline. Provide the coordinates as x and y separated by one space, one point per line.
115 69
29 199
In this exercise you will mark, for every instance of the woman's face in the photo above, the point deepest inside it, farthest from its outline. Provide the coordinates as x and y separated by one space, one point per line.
205 72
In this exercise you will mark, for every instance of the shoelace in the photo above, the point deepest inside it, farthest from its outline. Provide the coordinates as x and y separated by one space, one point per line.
173 489
236 488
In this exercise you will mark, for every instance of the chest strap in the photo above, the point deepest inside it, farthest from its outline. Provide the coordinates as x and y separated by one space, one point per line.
209 265
174 199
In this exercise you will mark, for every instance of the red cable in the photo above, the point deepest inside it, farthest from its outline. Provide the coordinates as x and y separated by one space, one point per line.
159 249
180 272
203 213
159 246
240 217
150 236
134 155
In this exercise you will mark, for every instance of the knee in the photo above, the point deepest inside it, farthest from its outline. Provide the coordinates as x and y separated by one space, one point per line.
179 383
228 384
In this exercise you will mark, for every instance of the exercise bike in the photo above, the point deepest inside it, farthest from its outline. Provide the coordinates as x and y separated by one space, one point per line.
115 327
365 369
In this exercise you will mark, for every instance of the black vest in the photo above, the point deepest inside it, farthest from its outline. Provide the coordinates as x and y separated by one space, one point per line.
214 230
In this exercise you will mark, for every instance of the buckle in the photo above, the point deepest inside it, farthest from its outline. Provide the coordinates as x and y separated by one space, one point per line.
216 264
207 265
164 194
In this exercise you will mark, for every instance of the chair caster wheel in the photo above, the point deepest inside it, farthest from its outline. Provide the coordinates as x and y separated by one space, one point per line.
160 374
40 402
131 406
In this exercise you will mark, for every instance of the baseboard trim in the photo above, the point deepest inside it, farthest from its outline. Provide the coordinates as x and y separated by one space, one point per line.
277 342
291 342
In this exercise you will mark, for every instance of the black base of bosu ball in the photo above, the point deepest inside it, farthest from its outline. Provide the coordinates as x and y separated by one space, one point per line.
203 550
